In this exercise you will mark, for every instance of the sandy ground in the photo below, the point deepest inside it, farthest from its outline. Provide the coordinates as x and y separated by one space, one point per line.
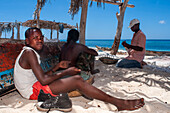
151 83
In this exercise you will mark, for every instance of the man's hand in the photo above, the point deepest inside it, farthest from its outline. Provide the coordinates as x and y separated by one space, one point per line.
72 71
64 64
132 51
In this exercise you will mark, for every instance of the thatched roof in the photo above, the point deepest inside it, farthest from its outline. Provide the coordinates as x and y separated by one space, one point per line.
47 24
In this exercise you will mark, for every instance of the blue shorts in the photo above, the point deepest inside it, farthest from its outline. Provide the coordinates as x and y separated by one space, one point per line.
125 63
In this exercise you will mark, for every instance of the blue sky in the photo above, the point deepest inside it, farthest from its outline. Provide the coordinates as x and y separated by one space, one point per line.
154 16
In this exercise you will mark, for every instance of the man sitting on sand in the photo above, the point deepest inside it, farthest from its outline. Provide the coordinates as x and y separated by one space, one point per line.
136 50
31 81
80 55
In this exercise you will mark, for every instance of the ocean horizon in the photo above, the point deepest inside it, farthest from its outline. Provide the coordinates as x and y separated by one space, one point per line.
151 44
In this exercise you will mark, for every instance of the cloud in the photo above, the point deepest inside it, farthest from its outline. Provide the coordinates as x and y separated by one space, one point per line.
162 22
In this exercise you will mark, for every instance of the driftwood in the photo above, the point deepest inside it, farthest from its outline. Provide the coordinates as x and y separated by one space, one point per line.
159 53
148 52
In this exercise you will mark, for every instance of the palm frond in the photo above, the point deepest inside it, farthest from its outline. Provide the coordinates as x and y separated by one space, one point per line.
42 3
74 7
39 6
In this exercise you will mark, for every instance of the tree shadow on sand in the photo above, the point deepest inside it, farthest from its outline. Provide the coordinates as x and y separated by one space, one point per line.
147 75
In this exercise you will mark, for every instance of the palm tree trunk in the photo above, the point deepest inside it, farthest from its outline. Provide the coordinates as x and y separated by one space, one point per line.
38 13
83 21
120 18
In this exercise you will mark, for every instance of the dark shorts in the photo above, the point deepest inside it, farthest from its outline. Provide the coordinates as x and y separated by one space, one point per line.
125 63
84 60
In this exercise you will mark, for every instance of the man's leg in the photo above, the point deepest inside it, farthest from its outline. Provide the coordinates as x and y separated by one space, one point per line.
91 63
76 82
125 63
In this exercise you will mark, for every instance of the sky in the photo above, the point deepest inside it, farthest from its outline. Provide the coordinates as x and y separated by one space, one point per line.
154 17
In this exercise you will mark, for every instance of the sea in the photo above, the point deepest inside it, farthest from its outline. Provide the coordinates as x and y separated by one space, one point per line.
151 44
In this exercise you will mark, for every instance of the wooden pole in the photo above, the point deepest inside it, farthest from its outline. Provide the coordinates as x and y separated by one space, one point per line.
83 21
12 37
120 18
57 35
51 32
1 30
115 3
0 34
18 31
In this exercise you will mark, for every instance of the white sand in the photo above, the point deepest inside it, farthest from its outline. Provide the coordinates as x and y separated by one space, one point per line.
151 83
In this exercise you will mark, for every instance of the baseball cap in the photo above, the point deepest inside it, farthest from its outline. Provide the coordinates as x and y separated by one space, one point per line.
133 22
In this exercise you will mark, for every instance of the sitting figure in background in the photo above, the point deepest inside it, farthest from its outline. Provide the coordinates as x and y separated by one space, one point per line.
136 50
80 55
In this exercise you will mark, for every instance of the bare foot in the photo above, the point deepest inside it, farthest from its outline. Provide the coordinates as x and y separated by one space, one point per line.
130 104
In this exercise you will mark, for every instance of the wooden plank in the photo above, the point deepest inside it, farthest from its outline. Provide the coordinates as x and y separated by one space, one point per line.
117 3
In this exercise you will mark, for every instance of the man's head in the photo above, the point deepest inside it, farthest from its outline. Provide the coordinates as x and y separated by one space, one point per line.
134 25
34 38
73 35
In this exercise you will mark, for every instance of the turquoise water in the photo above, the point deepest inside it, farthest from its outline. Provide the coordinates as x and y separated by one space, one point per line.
153 45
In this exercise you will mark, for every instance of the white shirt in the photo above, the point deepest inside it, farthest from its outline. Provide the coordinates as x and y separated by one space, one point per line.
24 78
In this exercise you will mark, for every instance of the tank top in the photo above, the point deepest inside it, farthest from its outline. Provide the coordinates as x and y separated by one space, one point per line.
24 78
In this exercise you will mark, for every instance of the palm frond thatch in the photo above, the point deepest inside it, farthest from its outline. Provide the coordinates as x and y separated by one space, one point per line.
76 4
47 24
39 6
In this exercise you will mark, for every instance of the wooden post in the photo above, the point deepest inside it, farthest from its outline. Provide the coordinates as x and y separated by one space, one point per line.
120 18
57 35
0 34
18 31
51 32
12 37
1 30
77 26
83 21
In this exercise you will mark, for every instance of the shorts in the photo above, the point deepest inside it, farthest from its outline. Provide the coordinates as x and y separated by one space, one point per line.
36 90
125 63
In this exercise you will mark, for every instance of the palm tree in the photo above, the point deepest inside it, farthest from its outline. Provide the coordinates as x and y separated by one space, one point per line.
36 15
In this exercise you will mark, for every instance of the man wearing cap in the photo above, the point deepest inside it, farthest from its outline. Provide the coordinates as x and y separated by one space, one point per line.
136 50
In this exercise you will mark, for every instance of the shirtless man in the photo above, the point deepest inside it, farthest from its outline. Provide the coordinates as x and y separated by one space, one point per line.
29 79
71 50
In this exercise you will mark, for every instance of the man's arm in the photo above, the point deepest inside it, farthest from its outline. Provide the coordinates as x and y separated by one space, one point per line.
137 48
43 78
89 50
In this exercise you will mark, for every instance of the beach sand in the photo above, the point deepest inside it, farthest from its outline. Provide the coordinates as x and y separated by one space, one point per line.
151 83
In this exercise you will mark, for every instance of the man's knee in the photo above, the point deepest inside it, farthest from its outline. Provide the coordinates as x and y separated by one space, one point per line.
121 63
78 77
